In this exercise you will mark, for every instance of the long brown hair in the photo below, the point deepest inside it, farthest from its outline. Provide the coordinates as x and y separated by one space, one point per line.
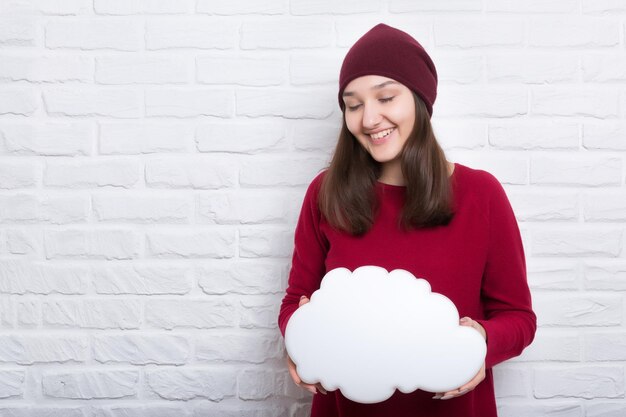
347 197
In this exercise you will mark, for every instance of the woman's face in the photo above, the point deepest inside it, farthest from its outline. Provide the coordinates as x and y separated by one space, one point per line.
375 104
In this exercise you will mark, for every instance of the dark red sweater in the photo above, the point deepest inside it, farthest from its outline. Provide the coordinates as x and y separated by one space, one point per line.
477 261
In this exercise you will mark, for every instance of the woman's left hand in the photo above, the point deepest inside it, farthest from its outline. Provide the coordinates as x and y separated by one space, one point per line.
466 321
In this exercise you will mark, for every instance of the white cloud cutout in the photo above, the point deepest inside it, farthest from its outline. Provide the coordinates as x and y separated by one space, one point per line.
370 332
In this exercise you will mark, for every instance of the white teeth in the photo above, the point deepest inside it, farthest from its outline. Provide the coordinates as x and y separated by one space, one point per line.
382 134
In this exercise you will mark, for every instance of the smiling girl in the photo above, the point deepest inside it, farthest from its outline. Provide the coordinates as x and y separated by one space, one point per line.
390 198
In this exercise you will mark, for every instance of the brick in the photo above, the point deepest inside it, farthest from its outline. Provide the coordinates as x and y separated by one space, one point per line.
314 67
29 410
606 409
511 382
144 69
604 274
459 69
198 32
27 276
259 311
140 411
535 68
18 31
24 242
536 205
190 313
223 69
604 206
533 6
190 103
56 209
144 137
578 310
28 350
265 242
268 7
94 244
603 68
141 279
250 346
249 277
572 31
404 6
18 101
90 313
250 410
141 349
28 313
550 274
568 101
44 7
538 135
525 409
605 346
124 7
454 133
602 6
94 101
576 242
290 104
215 243
202 173
49 139
558 345
496 101
247 207
256 384
286 34
578 170
89 384
303 7
586 382
315 136
284 170
186 384
142 208
239 137
11 384
18 173
47 68
94 33
89 173
606 135
476 32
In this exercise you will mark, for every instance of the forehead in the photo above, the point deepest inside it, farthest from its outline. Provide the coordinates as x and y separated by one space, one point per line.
369 83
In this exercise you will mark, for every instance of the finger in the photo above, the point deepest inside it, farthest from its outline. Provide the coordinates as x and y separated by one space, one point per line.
320 388
454 394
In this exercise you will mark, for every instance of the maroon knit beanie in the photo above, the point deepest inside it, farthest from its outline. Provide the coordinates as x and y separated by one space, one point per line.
392 53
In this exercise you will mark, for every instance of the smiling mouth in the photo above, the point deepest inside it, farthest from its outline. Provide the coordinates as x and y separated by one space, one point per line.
382 134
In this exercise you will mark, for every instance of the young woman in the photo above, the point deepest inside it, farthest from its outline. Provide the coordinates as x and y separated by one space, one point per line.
390 198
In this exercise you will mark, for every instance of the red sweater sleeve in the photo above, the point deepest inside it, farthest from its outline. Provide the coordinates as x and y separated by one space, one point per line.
509 321
309 254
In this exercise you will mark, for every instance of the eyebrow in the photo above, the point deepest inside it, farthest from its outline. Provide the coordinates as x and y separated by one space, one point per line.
379 86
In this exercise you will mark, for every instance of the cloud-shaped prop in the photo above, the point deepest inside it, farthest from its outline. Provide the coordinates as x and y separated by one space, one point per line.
370 332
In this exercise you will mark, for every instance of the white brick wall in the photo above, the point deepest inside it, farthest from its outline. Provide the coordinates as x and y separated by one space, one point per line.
154 155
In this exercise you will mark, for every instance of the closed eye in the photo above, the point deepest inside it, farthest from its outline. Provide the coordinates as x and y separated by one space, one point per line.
382 100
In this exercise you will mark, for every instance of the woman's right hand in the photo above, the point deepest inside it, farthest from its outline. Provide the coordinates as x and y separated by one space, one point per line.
292 367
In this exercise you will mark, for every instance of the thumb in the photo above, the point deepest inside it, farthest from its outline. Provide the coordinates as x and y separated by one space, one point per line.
303 300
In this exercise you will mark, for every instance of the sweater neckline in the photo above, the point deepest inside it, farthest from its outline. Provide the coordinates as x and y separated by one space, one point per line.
403 187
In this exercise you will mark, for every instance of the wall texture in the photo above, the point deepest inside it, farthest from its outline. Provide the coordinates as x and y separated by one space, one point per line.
154 155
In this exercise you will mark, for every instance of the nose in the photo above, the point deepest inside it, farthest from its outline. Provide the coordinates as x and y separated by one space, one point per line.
371 116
